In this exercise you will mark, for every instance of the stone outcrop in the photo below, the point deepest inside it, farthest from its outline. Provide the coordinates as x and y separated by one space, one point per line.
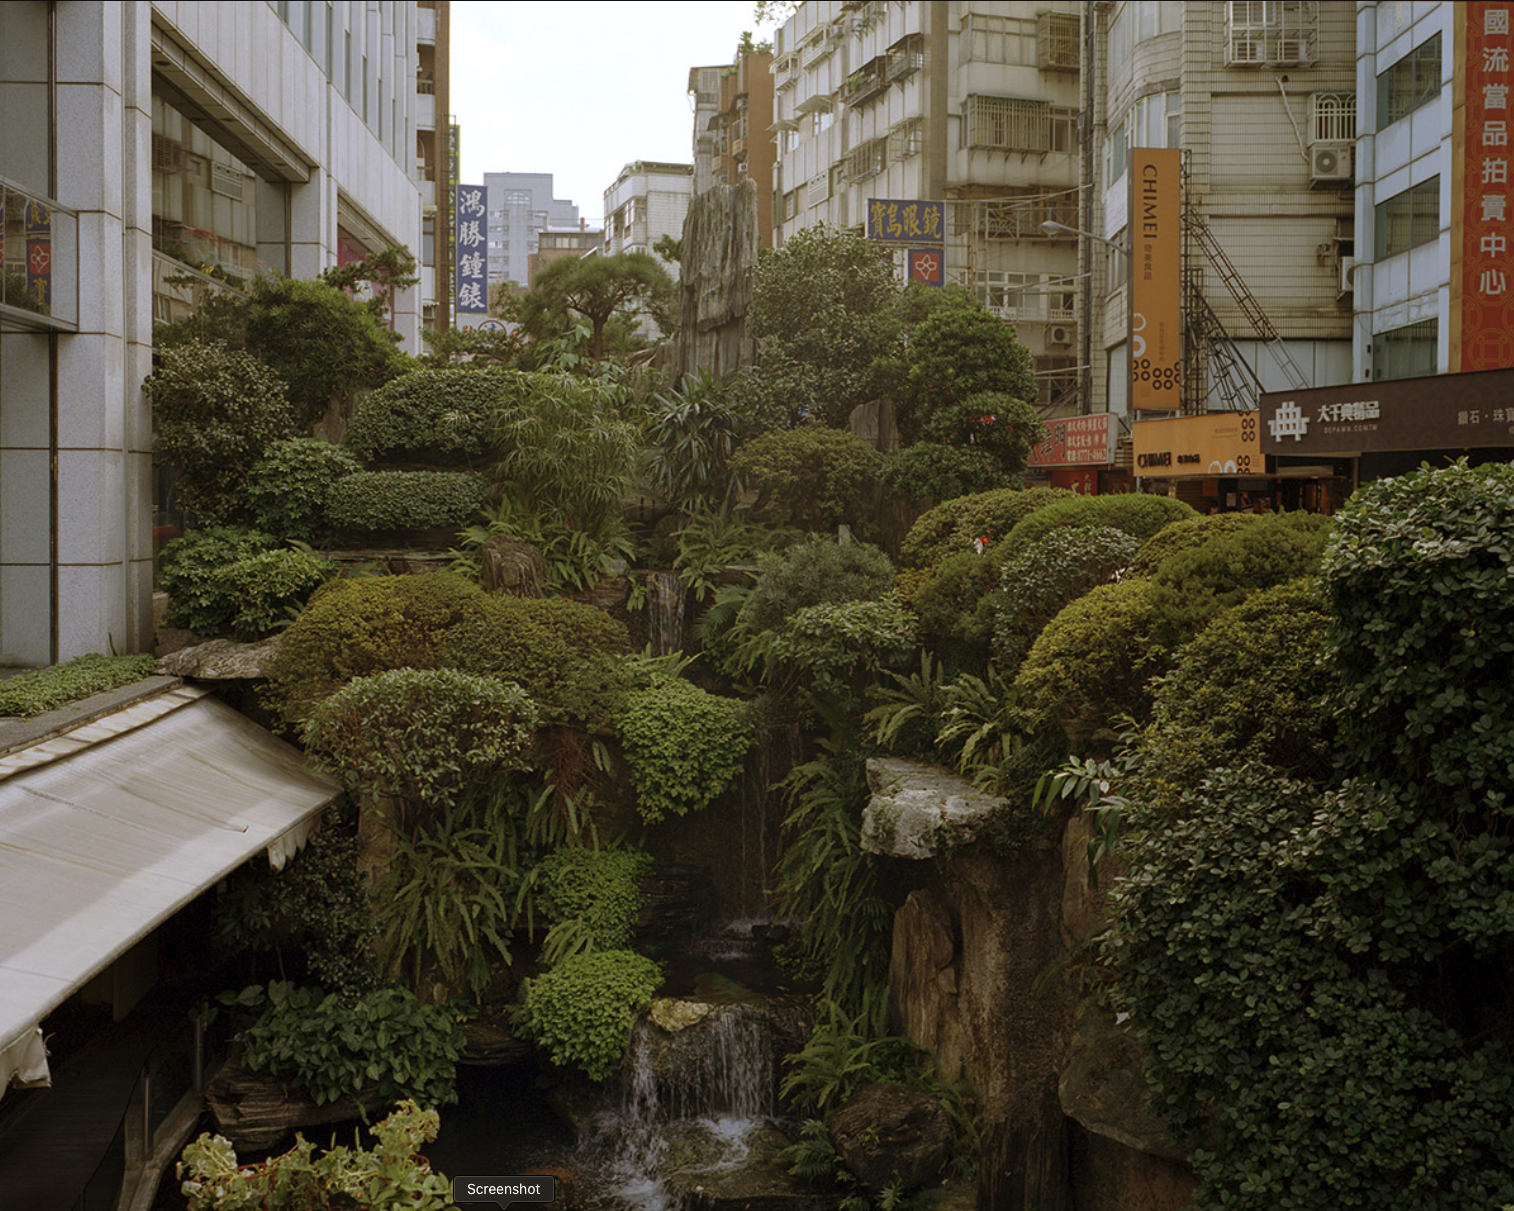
920 811
720 242
892 1135
1104 1086
220 660
255 1113
512 567
700 1177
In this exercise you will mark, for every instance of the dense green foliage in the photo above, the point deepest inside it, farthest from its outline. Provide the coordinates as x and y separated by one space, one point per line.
1038 582
427 416
289 485
555 650
935 472
31 693
823 311
1091 663
813 572
596 888
685 747
581 1011
264 592
1421 582
1185 533
404 500
691 436
326 1046
952 604
392 1174
216 411
228 580
448 896
845 641
951 528
628 284
421 735
812 477
318 901
1137 515
1251 687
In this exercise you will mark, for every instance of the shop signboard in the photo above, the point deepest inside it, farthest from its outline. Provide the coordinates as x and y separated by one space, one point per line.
1481 154
927 266
1438 412
1217 443
471 256
906 221
1156 311
1075 441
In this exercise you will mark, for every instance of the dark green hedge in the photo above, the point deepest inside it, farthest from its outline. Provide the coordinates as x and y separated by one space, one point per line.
404 500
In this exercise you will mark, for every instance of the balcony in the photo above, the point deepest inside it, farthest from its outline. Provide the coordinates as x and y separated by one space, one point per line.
865 83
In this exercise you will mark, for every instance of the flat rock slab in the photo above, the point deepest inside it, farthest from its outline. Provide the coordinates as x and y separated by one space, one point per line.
703 1175
221 660
918 811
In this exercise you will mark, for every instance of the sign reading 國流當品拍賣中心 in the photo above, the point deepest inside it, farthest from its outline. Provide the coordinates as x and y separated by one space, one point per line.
1438 412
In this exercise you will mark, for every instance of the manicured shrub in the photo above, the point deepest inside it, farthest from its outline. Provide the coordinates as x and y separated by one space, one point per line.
817 570
1420 577
28 694
289 485
685 747
932 471
216 411
1185 533
189 572
1093 661
952 528
846 640
1037 583
950 605
428 416
423 735
597 887
812 477
1252 687
581 1012
404 500
264 592
1137 515
552 648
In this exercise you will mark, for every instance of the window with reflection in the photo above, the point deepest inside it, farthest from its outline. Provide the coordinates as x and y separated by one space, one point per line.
204 199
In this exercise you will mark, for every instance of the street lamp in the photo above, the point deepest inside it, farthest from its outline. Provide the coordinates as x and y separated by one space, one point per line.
1052 227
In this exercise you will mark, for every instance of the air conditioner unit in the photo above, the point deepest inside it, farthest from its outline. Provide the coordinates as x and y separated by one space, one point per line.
1329 163
1060 334
1290 50
1246 50
1347 265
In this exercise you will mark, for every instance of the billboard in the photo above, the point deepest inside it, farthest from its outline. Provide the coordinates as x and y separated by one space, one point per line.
1075 441
1156 297
926 266
1216 443
906 221
1484 312
471 256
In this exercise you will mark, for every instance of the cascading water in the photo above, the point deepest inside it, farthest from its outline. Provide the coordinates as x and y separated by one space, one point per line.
690 1100
666 595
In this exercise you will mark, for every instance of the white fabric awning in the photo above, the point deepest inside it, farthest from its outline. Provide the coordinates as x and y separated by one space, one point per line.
109 829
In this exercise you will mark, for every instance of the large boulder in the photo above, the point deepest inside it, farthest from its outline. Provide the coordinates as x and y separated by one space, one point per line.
220 660
1104 1086
919 811
512 567
892 1135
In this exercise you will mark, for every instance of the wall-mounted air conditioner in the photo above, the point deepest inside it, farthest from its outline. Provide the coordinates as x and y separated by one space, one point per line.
1060 334
1329 163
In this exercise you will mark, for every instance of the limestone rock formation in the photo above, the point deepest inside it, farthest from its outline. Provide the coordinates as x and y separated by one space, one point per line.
719 251
919 811
892 1135
1104 1086
512 567
220 660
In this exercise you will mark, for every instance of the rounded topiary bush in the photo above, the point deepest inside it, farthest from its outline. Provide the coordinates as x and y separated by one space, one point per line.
815 571
377 501
931 471
952 527
685 747
1038 583
428 416
1183 534
812 477
189 572
581 1012
289 485
265 592
1093 662
1137 515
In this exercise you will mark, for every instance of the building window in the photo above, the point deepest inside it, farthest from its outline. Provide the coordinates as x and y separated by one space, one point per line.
989 39
867 160
1116 262
906 140
1270 33
1014 124
1116 152
1406 352
1057 41
1409 83
1332 117
428 239
1407 220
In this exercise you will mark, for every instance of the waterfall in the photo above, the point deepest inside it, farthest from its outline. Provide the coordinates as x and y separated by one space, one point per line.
777 750
666 594
688 1099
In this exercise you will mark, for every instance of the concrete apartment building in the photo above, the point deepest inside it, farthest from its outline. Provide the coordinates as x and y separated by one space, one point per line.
973 103
734 139
521 207
561 244
141 140
433 159
648 200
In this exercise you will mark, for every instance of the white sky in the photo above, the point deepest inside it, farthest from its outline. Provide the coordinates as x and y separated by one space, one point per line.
581 89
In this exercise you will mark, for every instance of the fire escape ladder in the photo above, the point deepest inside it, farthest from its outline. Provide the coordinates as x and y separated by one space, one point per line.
1212 349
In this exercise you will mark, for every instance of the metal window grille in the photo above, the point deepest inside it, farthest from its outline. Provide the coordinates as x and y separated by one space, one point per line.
1010 123
817 189
1057 41
1271 33
906 140
1333 117
868 160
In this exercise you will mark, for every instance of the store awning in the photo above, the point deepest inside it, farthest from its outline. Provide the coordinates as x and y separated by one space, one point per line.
107 830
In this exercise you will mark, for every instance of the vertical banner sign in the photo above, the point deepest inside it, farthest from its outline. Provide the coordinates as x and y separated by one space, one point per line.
926 266
1156 304
472 260
37 223
1487 265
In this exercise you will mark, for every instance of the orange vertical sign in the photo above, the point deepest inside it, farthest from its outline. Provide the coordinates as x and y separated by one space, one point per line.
1156 303
1487 262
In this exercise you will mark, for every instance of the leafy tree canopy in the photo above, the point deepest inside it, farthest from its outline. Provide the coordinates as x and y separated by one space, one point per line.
598 288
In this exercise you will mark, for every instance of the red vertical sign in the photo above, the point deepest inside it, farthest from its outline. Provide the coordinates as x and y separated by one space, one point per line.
1487 264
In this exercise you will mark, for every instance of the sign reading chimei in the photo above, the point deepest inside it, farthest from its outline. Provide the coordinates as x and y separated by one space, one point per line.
1156 314
1440 412
1481 156
900 221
